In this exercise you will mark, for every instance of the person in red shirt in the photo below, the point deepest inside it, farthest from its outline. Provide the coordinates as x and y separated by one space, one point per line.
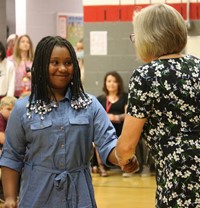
10 44
6 106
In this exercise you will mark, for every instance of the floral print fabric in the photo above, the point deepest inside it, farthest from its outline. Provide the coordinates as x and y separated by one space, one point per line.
167 92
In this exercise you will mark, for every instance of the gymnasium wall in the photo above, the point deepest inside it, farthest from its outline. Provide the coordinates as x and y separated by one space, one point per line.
115 17
112 16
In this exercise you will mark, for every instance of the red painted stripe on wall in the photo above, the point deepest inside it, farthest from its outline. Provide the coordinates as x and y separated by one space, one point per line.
124 13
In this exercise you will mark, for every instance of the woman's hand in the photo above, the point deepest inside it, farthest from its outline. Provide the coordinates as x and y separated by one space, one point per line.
129 165
132 166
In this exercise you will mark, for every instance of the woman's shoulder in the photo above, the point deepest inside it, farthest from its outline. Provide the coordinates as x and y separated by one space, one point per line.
124 96
10 58
144 70
147 71
9 63
101 98
189 57
94 98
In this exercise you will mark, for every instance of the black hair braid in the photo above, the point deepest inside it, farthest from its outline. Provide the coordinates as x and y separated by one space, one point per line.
76 87
40 75
77 90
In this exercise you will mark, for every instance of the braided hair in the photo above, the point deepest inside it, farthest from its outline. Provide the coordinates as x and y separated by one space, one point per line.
41 92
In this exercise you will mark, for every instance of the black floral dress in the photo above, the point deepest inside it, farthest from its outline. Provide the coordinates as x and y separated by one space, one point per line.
167 92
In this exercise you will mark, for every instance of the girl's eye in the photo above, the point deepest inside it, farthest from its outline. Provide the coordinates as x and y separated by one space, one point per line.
54 62
68 63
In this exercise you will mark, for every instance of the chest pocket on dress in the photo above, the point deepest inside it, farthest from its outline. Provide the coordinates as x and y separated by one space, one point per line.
79 121
41 125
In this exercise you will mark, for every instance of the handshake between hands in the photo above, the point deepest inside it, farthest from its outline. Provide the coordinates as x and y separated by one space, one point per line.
130 165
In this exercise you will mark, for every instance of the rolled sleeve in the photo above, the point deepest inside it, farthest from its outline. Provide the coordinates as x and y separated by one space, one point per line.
7 162
105 137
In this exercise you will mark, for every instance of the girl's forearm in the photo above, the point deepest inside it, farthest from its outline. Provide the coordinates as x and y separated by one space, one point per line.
10 181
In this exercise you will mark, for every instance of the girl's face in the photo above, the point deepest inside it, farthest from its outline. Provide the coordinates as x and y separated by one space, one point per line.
111 84
60 69
24 44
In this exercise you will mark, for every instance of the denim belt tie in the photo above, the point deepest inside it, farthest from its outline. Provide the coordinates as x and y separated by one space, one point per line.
61 180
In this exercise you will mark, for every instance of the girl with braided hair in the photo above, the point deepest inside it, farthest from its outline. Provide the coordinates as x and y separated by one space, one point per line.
50 135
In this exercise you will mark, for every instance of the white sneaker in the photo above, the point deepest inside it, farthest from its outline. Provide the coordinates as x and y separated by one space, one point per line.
145 171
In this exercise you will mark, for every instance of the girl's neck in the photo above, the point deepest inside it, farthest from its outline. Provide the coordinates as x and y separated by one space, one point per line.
24 56
59 94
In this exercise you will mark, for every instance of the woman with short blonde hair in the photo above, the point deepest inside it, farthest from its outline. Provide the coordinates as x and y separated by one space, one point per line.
164 106
164 33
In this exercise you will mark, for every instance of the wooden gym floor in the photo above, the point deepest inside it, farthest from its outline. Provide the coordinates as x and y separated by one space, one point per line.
116 191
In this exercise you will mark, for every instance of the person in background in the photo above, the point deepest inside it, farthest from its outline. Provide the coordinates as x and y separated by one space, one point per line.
164 106
7 74
6 106
22 59
114 101
80 56
50 135
11 40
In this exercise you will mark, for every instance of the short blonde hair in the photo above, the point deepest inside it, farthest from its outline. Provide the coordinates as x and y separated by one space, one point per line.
159 30
7 100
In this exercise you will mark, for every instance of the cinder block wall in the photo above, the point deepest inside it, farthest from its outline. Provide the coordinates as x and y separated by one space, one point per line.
116 19
121 55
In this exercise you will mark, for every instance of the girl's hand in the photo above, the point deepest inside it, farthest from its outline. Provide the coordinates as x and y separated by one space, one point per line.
132 166
10 203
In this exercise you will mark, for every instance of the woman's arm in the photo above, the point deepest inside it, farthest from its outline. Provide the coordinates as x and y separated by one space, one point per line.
129 138
10 181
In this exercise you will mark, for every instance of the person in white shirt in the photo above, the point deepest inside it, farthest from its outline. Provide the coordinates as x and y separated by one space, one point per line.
7 74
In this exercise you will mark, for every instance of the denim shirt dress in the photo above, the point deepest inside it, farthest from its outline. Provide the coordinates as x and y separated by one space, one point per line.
53 155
